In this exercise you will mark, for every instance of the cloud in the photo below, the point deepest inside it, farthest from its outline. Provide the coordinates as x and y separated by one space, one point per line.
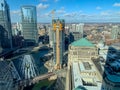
98 8
61 10
106 13
116 4
74 14
70 15
15 12
42 6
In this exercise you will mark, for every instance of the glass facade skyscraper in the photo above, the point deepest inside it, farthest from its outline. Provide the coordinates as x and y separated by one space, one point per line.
29 23
5 25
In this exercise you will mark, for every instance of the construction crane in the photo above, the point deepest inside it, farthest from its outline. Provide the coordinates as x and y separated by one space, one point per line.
57 27
53 13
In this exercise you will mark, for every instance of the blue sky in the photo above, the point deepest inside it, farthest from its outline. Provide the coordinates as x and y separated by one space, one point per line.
70 10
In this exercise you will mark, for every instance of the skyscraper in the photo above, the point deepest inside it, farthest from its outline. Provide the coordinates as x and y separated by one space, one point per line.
58 41
29 24
5 25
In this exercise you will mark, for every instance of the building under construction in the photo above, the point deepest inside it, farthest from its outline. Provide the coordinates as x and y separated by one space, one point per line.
58 41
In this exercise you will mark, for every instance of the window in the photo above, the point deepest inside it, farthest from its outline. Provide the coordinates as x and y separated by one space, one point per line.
74 53
92 53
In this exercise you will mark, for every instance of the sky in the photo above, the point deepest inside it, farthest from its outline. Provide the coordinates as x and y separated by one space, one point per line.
70 10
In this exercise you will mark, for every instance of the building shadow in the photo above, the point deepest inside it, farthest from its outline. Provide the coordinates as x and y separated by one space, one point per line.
71 38
66 42
2 38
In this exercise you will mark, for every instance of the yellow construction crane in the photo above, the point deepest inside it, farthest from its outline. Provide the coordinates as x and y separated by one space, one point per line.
57 27
53 13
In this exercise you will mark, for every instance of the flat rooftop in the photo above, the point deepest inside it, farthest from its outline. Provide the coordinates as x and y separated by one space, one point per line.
89 82
86 66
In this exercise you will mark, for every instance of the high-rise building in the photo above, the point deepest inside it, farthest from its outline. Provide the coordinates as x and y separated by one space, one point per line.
114 32
76 32
5 25
58 41
29 24
111 76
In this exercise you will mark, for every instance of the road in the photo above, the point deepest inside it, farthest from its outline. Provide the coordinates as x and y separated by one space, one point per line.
28 82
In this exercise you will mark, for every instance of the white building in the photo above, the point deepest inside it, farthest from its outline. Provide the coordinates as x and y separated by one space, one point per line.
85 75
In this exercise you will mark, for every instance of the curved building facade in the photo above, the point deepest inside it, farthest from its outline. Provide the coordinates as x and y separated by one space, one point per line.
29 23
111 76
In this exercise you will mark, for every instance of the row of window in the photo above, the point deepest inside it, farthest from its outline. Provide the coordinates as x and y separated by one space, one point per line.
83 53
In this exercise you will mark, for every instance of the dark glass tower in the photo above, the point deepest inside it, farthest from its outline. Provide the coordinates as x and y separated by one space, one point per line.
5 25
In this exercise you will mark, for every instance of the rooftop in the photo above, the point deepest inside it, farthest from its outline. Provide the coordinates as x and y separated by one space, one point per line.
83 42
83 81
86 66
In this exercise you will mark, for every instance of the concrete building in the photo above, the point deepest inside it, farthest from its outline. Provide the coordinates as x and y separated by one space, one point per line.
17 30
50 36
103 49
58 41
5 25
115 31
76 32
111 76
29 25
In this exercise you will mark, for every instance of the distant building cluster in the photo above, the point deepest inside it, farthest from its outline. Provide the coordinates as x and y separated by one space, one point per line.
76 32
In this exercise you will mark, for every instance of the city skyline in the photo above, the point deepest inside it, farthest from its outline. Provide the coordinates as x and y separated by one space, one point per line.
70 10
